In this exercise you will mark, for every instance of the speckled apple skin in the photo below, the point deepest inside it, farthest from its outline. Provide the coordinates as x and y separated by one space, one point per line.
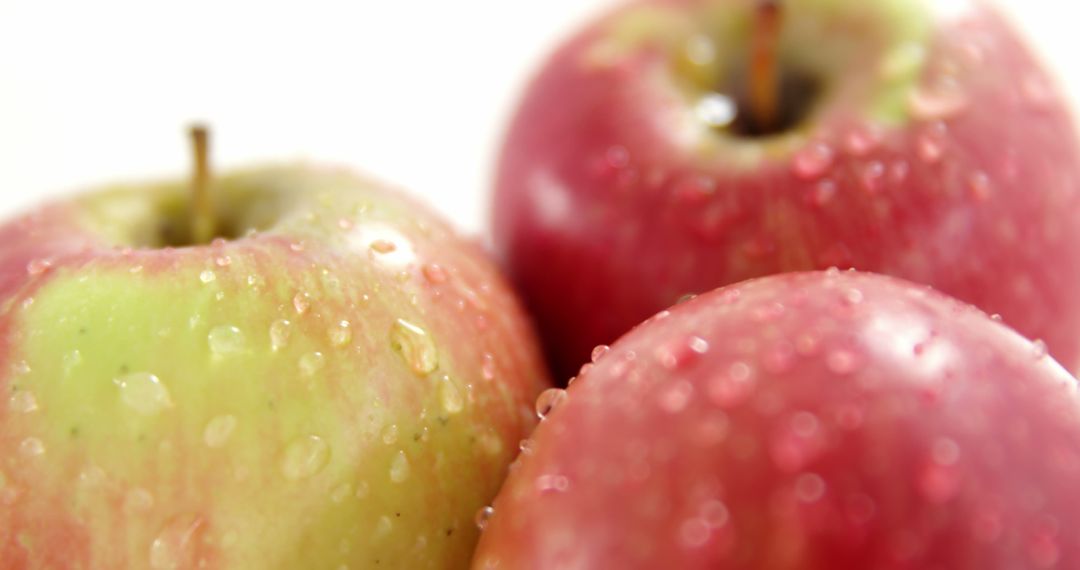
339 439
809 421
613 200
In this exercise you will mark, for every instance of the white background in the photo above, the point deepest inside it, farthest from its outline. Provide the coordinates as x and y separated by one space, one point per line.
414 91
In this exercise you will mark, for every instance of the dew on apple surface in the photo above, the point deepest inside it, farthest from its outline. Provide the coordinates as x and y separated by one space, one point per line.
450 396
144 392
38 266
813 161
207 276
382 528
399 468
435 274
279 334
598 352
483 516
226 339
415 346
936 102
311 363
362 490
304 457
31 447
301 302
548 400
340 333
219 429
170 549
341 492
390 434
487 366
22 401
930 145
138 500
70 361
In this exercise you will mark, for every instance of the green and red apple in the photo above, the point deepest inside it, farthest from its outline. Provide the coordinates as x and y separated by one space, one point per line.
809 421
916 138
338 382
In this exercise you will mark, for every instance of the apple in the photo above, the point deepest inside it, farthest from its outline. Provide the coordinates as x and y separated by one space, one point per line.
912 138
804 421
337 381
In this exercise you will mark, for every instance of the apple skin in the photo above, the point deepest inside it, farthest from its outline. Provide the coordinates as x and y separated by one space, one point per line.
805 421
254 444
613 199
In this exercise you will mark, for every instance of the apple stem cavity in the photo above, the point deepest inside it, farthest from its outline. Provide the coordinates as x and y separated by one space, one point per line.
764 76
203 223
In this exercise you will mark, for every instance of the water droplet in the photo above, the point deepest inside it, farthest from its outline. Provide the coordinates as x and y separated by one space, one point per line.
809 487
382 528
675 398
1039 349
362 490
91 476
487 367
297 246
930 145
813 161
694 532
138 500
435 274
23 402
144 393
872 177
304 457
714 513
483 516
301 302
716 110
340 334
599 352
218 430
527 446
31 447
207 276
390 434
226 339
450 396
732 387
842 361
399 468
945 451
279 334
171 549
862 140
548 400
341 492
38 266
71 361
552 483
311 363
979 185
222 261
415 346
382 246
934 103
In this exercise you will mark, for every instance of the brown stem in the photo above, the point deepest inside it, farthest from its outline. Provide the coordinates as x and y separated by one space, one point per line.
203 223
764 76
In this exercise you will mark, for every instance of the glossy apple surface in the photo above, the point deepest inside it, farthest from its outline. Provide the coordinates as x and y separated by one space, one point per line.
808 421
930 145
340 385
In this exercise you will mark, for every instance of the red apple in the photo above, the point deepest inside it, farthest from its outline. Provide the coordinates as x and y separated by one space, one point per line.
910 138
809 421
340 384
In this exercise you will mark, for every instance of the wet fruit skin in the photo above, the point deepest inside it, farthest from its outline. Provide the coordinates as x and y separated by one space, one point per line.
614 198
298 397
805 421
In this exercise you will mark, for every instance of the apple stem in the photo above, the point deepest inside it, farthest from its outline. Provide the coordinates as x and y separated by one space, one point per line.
764 77
202 208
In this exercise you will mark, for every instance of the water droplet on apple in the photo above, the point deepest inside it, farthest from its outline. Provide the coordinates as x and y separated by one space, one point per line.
138 500
31 447
70 361
144 392
733 387
311 363
1039 349
861 141
218 430
304 457
483 516
872 176
341 492
223 261
171 549
716 110
979 185
930 145
301 302
340 334
487 367
92 476
675 398
552 483
822 193
22 401
382 246
813 161
933 103
415 347
279 334
599 352
435 274
362 490
38 266
207 276
226 339
694 532
450 396
809 487
548 400
390 434
399 468
382 528
842 361
527 446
